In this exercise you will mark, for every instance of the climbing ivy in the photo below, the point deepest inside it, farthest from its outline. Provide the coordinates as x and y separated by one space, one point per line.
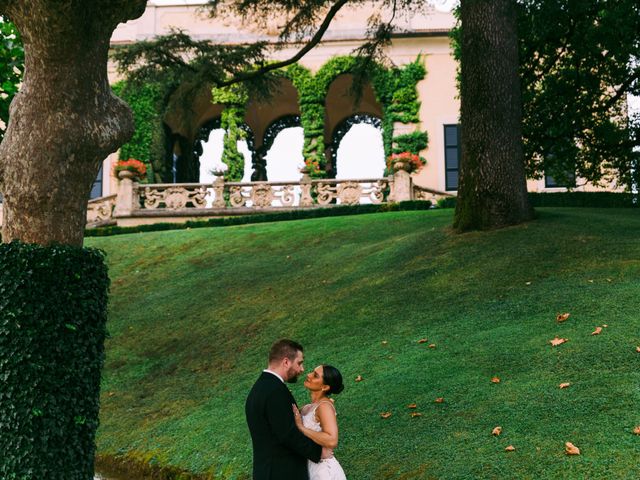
234 98
148 141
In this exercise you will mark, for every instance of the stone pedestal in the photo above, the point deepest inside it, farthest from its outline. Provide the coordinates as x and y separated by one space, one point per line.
306 200
400 187
125 197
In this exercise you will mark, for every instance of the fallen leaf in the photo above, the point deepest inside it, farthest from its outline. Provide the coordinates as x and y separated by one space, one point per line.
638 349
637 430
495 380
597 331
527 283
359 378
571 449
604 325
423 340
496 431
433 345
510 448
564 385
590 281
561 317
415 414
439 400
385 414
412 405
558 341
609 280
384 342
111 394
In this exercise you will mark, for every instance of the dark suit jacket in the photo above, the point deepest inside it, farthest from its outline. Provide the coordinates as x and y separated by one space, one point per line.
280 450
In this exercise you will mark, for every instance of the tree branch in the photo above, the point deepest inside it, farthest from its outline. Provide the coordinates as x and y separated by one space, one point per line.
317 37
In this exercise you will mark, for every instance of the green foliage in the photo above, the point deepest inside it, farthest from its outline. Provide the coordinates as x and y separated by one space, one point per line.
584 199
447 202
148 142
181 360
11 67
53 309
336 211
413 142
580 52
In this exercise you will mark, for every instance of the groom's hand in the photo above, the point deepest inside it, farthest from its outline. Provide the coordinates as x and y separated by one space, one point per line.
326 452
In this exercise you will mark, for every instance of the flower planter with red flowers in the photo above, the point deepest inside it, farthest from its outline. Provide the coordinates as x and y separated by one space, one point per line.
130 168
407 161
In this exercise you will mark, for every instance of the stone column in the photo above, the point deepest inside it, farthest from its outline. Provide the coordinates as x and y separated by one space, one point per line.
125 196
401 186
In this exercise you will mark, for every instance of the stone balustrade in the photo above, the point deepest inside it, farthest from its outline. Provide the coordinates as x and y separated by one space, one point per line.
136 203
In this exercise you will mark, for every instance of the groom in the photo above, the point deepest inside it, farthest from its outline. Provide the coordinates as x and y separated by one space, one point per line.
280 451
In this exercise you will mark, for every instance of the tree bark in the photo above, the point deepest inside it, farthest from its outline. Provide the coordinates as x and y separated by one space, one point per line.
65 119
492 190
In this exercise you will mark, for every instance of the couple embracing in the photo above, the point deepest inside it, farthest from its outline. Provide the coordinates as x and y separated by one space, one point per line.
292 444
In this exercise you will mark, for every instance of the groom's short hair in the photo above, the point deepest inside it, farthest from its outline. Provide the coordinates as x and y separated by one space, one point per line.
284 348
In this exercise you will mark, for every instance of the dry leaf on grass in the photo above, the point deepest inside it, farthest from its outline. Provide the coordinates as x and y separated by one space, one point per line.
571 449
439 400
496 431
564 385
637 430
495 380
558 341
415 414
433 345
562 317
638 349
385 414
597 331
359 378
384 342
412 405
510 448
423 340
604 325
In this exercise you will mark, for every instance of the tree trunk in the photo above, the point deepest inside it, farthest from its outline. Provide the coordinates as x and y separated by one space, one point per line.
65 120
492 191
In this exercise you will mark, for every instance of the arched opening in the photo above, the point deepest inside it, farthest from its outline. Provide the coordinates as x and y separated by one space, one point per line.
282 149
357 150
208 148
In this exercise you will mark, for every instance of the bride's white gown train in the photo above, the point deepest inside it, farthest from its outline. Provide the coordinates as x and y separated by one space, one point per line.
327 468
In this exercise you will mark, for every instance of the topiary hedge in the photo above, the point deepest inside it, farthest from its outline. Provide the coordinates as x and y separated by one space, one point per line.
583 199
53 310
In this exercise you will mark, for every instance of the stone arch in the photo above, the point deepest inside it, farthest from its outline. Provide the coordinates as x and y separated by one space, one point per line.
343 127
270 134
342 104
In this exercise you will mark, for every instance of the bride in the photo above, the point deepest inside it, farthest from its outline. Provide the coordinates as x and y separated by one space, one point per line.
318 421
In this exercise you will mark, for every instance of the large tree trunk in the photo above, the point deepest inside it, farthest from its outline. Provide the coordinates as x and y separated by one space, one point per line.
492 191
65 120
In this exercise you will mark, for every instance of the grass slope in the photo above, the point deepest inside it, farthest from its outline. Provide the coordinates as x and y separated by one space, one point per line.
193 314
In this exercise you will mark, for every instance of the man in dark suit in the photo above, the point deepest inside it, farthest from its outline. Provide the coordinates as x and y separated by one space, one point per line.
280 451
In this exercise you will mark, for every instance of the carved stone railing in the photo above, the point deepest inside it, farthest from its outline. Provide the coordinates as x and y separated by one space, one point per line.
237 197
137 203
100 211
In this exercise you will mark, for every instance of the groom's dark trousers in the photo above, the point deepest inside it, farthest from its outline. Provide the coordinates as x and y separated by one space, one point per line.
280 450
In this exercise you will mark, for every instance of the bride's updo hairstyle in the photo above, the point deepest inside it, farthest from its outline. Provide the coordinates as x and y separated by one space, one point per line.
333 379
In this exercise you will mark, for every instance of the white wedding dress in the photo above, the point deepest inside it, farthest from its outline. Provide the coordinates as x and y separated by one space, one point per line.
327 468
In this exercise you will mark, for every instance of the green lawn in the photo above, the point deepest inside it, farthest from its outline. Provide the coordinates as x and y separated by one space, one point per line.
194 312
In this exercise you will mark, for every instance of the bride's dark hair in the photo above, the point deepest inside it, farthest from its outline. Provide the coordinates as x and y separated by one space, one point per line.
331 376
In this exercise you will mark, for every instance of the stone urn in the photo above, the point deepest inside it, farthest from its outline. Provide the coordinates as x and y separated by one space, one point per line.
127 174
401 166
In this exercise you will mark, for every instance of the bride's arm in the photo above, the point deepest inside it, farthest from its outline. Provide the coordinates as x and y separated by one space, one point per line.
328 437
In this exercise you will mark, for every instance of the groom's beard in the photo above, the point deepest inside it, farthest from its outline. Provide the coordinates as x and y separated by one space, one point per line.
292 377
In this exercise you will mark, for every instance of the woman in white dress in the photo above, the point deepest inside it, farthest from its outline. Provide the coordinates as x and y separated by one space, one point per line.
317 420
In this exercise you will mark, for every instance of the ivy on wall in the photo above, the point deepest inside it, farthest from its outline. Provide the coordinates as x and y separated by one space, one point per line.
394 88
234 98
148 141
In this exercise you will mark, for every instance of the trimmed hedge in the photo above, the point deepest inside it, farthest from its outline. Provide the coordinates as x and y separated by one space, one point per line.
53 311
265 217
583 199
